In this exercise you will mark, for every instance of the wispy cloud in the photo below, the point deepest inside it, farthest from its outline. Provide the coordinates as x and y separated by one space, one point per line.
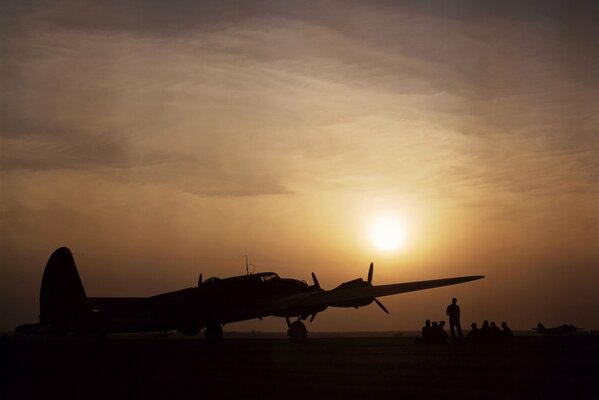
261 108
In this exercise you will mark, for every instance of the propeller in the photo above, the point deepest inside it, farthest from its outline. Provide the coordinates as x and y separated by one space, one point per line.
378 303
315 280
316 285
370 274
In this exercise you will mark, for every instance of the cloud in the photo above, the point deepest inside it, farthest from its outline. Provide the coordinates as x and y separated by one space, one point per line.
180 119
225 103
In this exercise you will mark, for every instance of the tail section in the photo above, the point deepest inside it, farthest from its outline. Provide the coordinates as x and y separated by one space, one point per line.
63 303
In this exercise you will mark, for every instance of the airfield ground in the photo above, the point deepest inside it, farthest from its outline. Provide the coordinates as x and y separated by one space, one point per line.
384 367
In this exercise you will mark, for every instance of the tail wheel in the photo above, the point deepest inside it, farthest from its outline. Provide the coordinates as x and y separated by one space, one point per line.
297 332
213 333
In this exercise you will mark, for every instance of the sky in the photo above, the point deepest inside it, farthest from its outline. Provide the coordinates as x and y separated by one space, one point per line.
160 140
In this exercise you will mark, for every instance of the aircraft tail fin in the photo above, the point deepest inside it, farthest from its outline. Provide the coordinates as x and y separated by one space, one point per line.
63 303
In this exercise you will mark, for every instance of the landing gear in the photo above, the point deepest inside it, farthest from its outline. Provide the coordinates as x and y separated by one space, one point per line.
213 333
297 332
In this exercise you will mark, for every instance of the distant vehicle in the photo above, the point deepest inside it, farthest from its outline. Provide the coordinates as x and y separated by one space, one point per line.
558 330
65 308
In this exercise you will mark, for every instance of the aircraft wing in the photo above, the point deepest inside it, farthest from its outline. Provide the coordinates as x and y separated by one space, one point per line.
330 297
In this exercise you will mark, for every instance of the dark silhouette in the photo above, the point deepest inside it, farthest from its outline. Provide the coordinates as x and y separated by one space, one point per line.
558 330
473 335
484 332
453 312
490 333
426 331
494 332
507 336
442 332
435 333
65 308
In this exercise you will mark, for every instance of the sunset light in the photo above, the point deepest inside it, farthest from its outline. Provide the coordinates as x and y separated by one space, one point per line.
388 233
191 189
163 140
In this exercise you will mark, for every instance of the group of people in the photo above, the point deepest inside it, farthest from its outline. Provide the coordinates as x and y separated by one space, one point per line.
490 333
434 332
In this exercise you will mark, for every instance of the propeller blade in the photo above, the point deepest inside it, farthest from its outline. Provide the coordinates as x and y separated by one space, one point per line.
288 322
200 280
370 272
378 303
312 317
316 283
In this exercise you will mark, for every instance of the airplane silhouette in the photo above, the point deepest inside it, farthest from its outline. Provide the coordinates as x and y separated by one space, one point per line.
65 308
558 330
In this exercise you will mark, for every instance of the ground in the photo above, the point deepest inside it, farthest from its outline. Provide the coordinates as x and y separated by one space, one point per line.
382 367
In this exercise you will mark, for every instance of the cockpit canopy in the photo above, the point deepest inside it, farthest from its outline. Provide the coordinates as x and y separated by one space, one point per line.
260 277
267 276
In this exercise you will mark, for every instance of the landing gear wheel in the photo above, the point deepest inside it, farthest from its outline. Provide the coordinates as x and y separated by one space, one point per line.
213 333
297 332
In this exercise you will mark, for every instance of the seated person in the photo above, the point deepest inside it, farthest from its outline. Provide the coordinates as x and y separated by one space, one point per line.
442 332
426 331
435 334
494 332
507 335
473 335
483 333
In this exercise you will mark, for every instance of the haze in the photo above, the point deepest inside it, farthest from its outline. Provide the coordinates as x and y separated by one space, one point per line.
159 140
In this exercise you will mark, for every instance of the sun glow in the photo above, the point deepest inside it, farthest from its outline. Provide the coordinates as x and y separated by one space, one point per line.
388 233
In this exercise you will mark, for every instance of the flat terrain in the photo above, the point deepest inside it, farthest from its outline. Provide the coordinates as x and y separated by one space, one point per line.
388 367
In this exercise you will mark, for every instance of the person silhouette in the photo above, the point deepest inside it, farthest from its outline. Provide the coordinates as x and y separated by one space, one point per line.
442 333
435 334
483 332
453 312
494 332
506 333
473 334
426 331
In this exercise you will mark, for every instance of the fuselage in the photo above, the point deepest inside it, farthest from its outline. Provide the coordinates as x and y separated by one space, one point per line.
214 301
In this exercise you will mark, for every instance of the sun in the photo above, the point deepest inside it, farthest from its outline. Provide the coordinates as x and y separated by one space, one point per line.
388 233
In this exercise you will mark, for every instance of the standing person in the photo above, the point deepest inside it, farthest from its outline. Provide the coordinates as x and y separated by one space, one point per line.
453 312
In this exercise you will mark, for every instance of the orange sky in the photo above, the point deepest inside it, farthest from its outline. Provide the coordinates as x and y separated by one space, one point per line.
159 140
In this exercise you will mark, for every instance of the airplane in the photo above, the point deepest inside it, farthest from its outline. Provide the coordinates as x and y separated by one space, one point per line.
65 307
558 330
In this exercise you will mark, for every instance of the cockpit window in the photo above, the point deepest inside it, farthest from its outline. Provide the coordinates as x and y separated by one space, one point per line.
269 277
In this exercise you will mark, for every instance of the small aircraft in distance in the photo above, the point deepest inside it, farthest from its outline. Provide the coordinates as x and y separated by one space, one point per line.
65 308
558 330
